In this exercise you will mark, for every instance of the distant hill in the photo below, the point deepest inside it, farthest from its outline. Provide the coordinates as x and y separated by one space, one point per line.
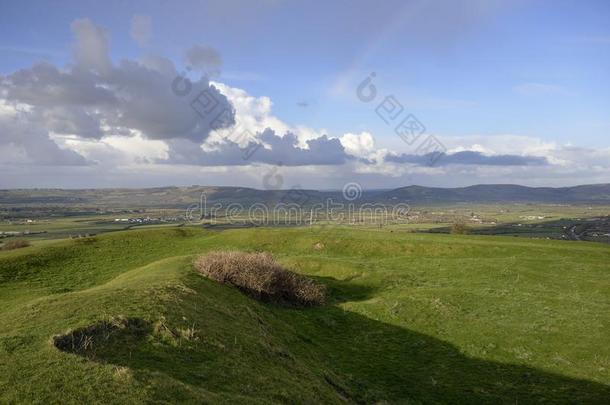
178 197
595 193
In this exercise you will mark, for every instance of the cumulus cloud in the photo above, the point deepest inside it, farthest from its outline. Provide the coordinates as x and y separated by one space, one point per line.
93 98
116 150
266 147
254 115
44 85
141 118
23 142
165 107
361 145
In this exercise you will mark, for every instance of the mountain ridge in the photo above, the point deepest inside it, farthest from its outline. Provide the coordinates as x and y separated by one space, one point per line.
179 195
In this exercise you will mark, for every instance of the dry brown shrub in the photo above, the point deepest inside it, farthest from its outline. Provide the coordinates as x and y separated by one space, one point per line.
261 277
15 244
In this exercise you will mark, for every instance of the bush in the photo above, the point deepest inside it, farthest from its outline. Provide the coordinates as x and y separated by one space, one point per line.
261 277
15 244
459 229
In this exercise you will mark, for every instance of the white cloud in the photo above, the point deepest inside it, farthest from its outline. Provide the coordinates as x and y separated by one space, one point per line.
116 149
499 144
361 145
254 114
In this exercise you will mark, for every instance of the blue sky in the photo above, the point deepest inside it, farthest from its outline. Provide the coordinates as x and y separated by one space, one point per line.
537 69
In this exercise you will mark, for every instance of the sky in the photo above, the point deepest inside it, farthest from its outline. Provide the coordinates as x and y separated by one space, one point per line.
282 94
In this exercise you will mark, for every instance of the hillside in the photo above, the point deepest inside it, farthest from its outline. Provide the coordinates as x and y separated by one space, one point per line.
180 197
412 318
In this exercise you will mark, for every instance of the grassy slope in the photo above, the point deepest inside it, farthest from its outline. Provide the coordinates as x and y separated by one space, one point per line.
430 318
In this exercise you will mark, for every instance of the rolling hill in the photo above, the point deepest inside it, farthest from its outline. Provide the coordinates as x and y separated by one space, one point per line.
412 318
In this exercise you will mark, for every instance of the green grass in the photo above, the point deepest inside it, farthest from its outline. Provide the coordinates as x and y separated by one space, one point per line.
414 318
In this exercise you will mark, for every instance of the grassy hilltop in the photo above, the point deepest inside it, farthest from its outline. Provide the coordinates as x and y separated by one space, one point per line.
411 318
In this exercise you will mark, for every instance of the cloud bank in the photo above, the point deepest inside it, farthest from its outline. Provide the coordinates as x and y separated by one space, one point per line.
146 122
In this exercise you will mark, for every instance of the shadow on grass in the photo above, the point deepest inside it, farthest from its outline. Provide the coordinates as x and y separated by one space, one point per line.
342 291
385 362
359 359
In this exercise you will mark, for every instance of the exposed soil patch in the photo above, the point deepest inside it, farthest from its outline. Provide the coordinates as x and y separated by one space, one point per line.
89 340
261 277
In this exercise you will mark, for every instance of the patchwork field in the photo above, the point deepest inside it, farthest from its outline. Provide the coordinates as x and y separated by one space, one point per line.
412 318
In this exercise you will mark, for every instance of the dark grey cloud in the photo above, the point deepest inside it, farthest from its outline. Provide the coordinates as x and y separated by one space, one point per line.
166 106
93 97
320 151
70 120
44 85
274 149
467 158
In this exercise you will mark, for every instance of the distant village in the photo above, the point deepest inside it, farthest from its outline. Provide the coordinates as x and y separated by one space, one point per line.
149 220
4 234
